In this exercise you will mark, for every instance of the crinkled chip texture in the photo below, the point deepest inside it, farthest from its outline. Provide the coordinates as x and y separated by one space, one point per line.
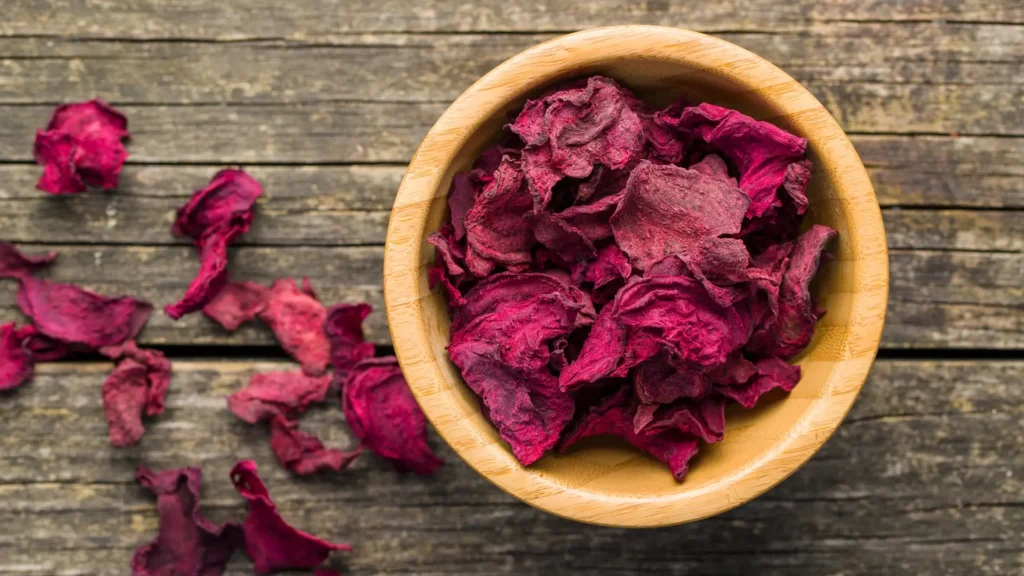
270 542
236 304
16 362
344 328
214 217
81 147
277 393
136 387
304 453
612 268
382 413
188 544
297 320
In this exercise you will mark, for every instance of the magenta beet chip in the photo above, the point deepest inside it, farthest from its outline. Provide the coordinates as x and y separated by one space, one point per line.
271 393
497 232
213 218
16 363
297 320
304 453
270 542
79 317
14 264
237 303
669 210
187 544
768 374
615 415
136 387
500 341
382 413
81 147
344 328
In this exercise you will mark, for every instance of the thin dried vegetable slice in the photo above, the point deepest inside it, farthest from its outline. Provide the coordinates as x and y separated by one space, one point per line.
81 147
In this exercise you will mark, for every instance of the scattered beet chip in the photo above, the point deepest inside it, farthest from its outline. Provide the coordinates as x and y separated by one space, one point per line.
499 340
16 363
237 303
669 210
297 320
652 257
214 217
304 453
569 131
271 393
188 544
137 386
344 328
270 542
382 413
788 333
79 317
158 371
497 232
761 151
14 264
615 416
81 147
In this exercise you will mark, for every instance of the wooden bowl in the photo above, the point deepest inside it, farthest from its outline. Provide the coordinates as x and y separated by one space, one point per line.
603 481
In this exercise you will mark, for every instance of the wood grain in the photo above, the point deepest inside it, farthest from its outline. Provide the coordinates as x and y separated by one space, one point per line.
881 488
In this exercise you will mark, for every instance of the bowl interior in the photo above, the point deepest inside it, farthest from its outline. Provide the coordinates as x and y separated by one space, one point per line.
761 446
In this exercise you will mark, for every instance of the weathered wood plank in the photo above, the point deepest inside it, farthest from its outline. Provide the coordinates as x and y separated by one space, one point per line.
439 67
305 18
938 299
926 474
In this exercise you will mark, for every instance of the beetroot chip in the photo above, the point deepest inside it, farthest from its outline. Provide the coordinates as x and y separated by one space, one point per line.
610 265
769 374
615 415
668 210
297 320
81 147
271 393
137 386
214 217
466 186
188 544
16 363
500 341
662 315
497 232
438 275
344 328
382 413
79 317
14 264
270 542
566 240
761 151
570 130
442 242
304 453
788 333
237 303
704 419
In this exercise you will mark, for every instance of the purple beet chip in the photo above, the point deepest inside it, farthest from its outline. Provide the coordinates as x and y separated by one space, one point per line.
297 320
16 363
382 413
236 304
269 394
344 328
81 147
304 453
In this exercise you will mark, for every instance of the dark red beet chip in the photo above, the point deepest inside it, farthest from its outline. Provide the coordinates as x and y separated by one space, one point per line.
188 544
269 394
344 328
236 304
270 542
304 453
16 363
297 320
81 147
382 413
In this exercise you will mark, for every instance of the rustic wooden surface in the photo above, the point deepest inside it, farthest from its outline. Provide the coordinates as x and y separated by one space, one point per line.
325 100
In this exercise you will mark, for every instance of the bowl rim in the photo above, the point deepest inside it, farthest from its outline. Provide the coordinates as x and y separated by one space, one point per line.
405 285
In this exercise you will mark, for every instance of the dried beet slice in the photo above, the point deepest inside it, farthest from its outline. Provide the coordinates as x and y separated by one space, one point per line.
382 413
770 373
497 232
442 242
500 341
214 217
438 275
137 386
615 414
304 453
704 419
187 544
270 542
344 329
80 317
670 210
297 320
16 363
14 264
81 147
237 303
269 394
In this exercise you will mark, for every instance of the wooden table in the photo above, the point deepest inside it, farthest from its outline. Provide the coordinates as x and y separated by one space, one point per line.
325 100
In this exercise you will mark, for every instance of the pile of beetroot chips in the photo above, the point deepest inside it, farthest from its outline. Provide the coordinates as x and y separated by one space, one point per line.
616 269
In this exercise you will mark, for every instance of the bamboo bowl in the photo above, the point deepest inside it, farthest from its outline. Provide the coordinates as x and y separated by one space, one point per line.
601 480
